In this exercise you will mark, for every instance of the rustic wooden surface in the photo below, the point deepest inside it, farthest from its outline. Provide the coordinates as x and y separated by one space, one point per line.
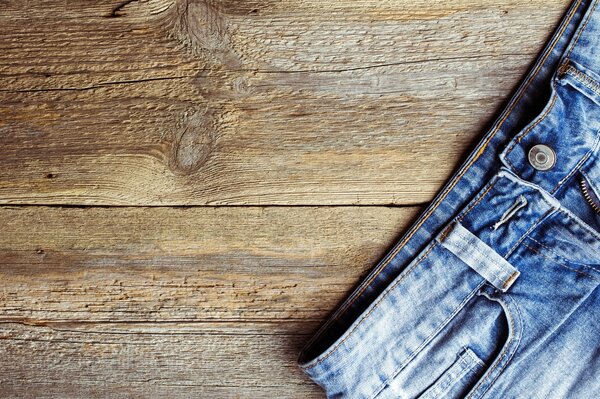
171 302
304 119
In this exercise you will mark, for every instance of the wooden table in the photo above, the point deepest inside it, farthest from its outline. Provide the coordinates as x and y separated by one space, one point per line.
188 188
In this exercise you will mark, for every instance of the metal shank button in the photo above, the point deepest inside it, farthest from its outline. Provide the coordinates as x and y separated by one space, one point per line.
542 157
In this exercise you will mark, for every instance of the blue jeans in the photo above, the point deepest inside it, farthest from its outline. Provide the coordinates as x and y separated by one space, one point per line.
493 292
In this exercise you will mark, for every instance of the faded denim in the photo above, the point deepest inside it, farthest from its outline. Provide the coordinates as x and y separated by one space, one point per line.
493 292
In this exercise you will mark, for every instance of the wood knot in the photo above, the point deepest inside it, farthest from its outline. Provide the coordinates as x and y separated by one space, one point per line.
241 86
194 141
201 25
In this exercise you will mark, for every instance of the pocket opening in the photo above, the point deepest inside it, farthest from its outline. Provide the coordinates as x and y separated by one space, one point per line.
509 341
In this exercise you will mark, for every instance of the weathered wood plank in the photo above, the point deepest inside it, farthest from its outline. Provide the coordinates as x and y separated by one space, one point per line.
200 360
194 102
175 302
252 102
141 264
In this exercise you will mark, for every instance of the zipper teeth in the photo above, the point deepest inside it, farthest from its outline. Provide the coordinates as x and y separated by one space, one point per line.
583 78
587 196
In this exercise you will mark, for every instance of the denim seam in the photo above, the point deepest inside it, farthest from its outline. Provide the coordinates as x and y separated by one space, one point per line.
538 66
522 135
580 223
578 166
515 346
468 362
427 340
574 44
375 305
474 359
572 218
583 78
482 195
529 230
560 256
508 345
571 172
555 261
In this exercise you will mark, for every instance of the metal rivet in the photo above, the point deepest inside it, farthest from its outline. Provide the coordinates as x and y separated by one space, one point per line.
542 157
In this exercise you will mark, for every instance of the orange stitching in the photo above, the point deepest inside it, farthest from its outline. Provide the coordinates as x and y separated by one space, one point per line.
481 197
376 304
445 232
564 66
522 135
582 29
510 279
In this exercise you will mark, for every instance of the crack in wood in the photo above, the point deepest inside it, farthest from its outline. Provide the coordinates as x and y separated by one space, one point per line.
387 64
96 86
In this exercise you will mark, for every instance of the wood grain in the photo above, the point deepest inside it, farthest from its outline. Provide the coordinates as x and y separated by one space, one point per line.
175 302
185 264
194 102
242 134
178 360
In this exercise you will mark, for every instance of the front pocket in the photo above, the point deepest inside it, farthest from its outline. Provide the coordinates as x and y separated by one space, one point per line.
462 374
413 331
434 350
466 354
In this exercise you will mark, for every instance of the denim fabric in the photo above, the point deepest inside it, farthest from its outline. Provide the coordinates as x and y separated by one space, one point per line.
493 291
